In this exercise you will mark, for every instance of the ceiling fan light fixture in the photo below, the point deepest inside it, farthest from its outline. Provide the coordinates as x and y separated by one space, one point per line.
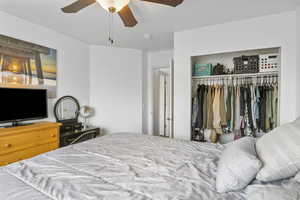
113 5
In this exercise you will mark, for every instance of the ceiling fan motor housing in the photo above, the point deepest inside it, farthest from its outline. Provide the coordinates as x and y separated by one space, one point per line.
113 5
112 9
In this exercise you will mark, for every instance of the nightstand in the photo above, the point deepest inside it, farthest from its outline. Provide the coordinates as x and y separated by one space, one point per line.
78 135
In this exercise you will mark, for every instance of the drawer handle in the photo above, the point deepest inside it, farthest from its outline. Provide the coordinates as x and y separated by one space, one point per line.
8 145
53 135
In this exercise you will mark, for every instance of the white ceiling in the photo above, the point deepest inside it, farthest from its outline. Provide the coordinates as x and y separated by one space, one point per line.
91 24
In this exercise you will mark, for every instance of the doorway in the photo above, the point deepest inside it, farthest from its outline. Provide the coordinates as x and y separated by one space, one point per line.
162 91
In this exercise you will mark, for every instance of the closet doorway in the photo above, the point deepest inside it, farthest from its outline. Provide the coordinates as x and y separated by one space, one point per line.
163 101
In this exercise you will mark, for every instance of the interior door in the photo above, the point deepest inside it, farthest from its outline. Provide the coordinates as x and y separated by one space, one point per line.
166 102
171 86
164 129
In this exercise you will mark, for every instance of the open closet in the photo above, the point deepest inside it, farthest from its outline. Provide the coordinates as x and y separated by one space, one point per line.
235 94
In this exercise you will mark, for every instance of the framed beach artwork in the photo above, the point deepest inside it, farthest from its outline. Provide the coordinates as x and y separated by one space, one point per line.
27 65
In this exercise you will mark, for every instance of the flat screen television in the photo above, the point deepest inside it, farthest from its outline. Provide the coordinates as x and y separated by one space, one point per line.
22 105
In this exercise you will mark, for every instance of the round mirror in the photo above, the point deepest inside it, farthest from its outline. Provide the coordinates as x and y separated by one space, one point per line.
66 109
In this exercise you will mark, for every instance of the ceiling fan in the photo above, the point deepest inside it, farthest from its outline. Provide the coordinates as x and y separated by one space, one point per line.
119 6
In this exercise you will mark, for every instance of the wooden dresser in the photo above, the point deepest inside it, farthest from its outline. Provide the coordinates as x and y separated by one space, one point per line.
19 143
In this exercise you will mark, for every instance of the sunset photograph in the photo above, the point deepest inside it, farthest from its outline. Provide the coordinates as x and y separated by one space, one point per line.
27 65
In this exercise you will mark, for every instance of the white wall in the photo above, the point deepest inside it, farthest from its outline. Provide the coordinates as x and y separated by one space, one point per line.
298 61
264 32
73 56
160 58
155 59
116 88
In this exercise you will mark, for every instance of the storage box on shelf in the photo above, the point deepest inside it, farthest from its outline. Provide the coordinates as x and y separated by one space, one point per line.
202 69
246 64
268 63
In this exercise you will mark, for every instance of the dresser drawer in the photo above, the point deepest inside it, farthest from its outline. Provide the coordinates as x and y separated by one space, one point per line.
47 136
26 153
28 139
66 128
17 142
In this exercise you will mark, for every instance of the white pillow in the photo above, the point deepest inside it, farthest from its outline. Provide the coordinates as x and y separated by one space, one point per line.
266 192
297 121
238 165
279 152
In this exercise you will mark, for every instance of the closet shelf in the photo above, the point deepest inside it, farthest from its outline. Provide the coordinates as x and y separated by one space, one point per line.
238 75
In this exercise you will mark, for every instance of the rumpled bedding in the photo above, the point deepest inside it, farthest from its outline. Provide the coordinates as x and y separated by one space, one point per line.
118 167
287 189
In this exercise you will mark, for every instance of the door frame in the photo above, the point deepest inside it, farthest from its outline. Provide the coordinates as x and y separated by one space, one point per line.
151 98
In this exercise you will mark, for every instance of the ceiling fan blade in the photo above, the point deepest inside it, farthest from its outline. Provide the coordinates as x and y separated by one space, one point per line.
173 3
127 17
78 5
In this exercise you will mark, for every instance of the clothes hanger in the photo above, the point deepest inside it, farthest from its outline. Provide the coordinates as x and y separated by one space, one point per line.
275 80
260 80
264 80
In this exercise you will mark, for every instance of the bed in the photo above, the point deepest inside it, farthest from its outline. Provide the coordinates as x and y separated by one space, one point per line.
118 166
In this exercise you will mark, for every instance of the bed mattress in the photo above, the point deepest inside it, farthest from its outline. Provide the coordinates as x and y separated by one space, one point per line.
118 166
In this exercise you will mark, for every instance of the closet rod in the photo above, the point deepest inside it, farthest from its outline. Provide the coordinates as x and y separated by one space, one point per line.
238 75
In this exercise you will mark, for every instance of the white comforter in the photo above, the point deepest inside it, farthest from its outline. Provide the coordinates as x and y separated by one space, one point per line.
118 166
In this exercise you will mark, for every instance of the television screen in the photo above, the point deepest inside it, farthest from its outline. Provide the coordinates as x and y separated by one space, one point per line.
22 104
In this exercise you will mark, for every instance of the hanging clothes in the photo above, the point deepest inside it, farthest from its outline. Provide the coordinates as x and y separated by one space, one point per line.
242 101
199 107
232 110
253 102
194 110
268 109
228 107
275 106
216 111
237 115
222 108
235 107
249 109
204 124
209 116
256 107
262 108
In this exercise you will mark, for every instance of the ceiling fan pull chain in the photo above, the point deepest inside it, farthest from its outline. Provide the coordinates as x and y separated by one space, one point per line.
110 29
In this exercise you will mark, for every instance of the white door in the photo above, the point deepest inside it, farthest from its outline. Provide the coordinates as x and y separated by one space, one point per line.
164 103
171 86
